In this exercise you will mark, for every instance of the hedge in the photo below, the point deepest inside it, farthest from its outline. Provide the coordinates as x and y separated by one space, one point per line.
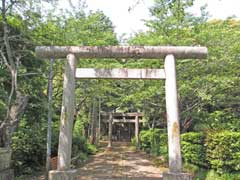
193 149
150 141
154 142
216 150
223 151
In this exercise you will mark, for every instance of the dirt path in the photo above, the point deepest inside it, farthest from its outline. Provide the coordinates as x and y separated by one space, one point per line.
120 163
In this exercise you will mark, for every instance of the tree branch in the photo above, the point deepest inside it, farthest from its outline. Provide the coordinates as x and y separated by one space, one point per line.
5 61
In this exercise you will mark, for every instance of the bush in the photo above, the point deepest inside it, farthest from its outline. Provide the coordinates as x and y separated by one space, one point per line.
217 150
153 141
28 149
223 151
204 174
80 144
193 137
164 145
150 141
80 150
193 149
91 149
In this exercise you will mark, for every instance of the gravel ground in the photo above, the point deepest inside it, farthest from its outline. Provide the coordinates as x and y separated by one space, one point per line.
121 162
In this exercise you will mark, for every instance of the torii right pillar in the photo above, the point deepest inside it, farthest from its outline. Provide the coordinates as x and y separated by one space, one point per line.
173 125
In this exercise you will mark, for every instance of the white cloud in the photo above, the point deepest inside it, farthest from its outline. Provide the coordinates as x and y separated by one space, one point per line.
130 22
219 9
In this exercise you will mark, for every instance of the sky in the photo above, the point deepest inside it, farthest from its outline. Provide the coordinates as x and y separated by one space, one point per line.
126 22
130 22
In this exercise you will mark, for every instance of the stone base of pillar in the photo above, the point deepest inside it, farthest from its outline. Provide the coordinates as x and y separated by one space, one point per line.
7 174
176 176
62 175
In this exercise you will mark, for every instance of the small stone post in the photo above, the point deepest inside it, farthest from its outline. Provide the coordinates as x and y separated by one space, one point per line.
66 124
110 130
173 125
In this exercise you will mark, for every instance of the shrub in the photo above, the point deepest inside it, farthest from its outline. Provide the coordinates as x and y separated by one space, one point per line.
223 151
204 174
150 141
217 150
91 149
164 145
193 149
134 141
29 149
80 144
153 141
193 137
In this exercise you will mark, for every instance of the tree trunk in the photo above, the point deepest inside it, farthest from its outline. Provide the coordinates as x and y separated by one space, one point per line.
14 109
11 122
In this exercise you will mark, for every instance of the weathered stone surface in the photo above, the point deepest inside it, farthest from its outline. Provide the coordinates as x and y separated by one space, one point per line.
145 52
173 120
63 175
7 174
67 115
5 158
176 176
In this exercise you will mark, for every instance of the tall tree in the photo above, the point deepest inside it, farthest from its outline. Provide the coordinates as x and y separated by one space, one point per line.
16 102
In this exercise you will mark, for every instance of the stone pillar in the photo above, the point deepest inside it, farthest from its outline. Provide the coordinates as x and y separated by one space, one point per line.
137 130
173 125
110 130
66 123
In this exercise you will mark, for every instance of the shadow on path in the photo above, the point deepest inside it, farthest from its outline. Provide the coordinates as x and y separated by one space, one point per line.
120 163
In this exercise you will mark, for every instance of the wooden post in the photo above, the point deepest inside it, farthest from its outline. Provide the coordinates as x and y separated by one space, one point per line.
110 130
67 114
174 149
137 130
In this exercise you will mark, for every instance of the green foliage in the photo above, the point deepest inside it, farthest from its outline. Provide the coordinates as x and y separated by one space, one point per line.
79 159
193 137
134 141
193 149
28 148
223 151
80 144
218 150
164 145
208 90
150 141
204 174
154 142
191 168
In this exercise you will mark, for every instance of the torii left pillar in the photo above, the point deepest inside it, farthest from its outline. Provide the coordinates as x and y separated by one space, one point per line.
64 171
137 131
110 121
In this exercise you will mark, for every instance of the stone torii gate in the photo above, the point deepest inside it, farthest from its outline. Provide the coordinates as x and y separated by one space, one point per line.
130 117
148 52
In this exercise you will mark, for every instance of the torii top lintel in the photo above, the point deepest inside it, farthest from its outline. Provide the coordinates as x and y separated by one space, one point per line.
147 52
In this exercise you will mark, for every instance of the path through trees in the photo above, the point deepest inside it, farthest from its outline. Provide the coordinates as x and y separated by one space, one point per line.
121 162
